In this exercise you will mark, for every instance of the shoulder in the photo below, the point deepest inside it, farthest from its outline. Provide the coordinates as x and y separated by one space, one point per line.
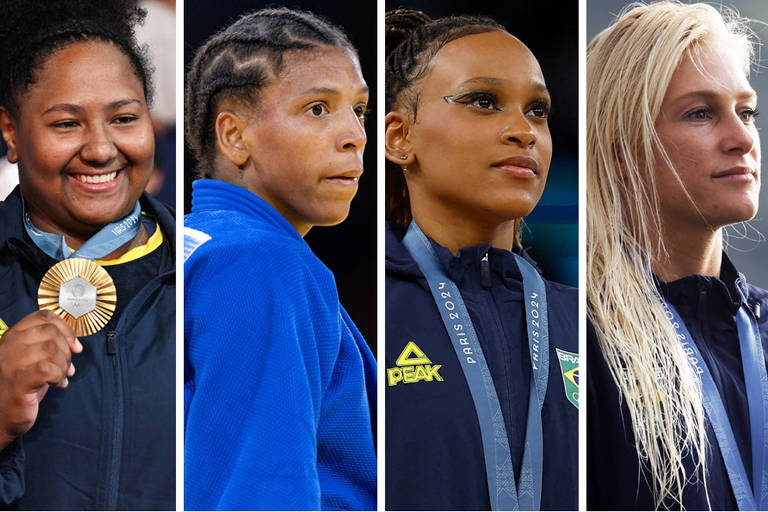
227 254
10 214
563 298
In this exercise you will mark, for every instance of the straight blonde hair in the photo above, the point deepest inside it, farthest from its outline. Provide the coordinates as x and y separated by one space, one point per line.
629 67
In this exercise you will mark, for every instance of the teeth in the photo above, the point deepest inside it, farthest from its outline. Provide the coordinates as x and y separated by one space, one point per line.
99 178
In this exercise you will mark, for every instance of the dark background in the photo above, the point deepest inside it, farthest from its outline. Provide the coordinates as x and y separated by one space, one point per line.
551 30
348 249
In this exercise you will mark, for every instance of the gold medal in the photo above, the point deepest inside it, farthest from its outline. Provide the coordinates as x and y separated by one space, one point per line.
80 292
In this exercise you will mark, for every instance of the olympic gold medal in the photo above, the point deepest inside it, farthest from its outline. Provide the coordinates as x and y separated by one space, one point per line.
80 292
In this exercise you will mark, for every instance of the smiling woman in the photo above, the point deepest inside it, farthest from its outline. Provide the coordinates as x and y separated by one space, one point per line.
80 241
279 383
476 338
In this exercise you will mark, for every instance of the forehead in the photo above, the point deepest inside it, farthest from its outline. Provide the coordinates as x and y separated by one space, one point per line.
85 72
332 68
708 69
493 54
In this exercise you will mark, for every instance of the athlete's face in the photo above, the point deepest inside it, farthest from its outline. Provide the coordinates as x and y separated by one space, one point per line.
306 138
707 127
82 138
480 139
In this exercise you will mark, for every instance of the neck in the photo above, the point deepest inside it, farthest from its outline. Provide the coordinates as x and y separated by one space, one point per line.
453 230
690 251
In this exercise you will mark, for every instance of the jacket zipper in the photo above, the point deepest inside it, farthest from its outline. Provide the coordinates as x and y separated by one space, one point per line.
117 439
485 272
113 478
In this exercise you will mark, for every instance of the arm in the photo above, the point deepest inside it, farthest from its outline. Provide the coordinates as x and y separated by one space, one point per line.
258 345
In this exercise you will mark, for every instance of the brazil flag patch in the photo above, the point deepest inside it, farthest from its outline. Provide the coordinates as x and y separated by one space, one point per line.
569 367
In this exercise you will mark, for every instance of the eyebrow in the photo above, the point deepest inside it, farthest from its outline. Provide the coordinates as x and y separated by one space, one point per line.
69 107
328 90
500 81
710 94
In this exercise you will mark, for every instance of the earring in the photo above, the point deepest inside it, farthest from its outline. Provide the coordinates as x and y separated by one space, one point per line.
403 157
404 167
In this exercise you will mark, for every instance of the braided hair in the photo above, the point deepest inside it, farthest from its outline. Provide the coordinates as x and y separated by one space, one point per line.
412 41
237 62
30 31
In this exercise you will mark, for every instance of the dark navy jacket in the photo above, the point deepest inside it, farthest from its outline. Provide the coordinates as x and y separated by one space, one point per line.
434 454
708 306
107 441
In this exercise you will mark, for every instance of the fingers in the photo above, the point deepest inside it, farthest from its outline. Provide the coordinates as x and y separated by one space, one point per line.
42 317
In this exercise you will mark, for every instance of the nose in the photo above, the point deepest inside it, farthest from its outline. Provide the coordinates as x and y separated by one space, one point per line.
351 134
737 136
518 131
99 148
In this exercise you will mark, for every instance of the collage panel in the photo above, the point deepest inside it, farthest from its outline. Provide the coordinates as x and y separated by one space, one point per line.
280 322
481 358
676 270
87 255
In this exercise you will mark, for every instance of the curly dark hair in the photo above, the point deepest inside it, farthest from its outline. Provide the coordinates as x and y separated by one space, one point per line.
412 41
237 62
31 30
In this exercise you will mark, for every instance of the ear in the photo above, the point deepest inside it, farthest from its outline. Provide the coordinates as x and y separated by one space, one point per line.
397 143
8 129
229 136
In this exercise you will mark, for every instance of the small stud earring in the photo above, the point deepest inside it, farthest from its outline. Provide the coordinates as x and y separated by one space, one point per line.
403 157
404 167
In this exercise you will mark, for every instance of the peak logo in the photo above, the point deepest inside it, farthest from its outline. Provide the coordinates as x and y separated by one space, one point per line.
413 365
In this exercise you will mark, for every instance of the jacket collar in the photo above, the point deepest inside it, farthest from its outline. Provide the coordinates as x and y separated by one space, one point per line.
213 195
458 267
726 291
14 237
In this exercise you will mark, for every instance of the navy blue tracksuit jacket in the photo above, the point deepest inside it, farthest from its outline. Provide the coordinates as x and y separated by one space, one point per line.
107 441
434 454
707 305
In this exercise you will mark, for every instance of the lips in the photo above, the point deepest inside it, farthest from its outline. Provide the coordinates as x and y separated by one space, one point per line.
518 167
347 177
100 181
738 173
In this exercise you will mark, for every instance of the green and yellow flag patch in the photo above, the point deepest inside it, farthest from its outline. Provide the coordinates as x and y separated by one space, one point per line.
569 367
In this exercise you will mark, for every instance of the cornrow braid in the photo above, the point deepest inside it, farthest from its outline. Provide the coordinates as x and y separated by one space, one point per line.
412 41
31 31
239 61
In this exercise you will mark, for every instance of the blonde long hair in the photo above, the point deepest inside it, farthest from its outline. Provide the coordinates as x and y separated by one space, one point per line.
629 66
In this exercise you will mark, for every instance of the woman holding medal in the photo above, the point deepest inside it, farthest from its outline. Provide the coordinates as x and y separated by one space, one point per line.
475 336
279 384
87 294
677 370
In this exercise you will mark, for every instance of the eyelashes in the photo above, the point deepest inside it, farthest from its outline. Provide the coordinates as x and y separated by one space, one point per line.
487 102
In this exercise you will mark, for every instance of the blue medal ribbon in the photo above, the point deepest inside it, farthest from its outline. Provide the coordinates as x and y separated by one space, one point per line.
106 240
504 492
756 381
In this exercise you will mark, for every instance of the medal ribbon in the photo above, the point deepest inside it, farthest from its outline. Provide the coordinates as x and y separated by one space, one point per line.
756 381
502 488
106 240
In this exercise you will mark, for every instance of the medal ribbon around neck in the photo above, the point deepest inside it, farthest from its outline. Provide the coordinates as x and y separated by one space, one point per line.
504 493
76 289
756 381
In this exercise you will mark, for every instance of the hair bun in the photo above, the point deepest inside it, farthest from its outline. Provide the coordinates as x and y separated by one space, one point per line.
400 23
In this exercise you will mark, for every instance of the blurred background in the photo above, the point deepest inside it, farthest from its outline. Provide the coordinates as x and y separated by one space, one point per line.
348 249
745 242
550 29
